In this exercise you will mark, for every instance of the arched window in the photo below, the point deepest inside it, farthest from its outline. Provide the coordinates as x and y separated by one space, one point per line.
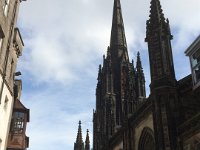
146 141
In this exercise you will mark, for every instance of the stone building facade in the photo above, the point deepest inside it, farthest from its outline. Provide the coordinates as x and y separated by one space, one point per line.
124 118
11 45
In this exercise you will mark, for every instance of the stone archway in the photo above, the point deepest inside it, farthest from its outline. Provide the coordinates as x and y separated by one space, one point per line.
146 141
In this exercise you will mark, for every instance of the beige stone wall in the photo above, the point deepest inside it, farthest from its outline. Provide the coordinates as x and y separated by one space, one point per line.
7 42
146 122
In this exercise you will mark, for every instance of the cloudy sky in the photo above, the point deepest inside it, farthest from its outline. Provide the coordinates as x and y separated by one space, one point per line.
64 43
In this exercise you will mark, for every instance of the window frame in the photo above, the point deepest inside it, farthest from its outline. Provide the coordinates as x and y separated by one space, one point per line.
194 66
18 122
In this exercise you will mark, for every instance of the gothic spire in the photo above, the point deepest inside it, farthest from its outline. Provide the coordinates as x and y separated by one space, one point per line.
79 145
156 12
118 38
87 141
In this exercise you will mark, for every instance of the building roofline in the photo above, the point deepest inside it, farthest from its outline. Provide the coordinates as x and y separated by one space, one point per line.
190 48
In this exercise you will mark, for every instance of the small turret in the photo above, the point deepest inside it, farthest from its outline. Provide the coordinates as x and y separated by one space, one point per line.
87 141
79 145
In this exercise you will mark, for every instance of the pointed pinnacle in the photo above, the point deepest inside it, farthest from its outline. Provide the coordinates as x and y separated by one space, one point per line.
156 12
139 64
117 33
99 73
79 138
87 141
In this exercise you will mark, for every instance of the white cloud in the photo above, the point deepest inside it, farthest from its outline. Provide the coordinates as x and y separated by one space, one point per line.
72 33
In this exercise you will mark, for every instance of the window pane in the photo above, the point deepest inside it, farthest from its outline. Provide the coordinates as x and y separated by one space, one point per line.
18 122
18 125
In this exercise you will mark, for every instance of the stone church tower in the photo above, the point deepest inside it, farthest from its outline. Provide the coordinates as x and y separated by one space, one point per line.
120 85
163 85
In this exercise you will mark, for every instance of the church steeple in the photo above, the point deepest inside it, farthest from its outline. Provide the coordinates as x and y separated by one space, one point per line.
116 93
118 40
158 37
79 145
87 141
